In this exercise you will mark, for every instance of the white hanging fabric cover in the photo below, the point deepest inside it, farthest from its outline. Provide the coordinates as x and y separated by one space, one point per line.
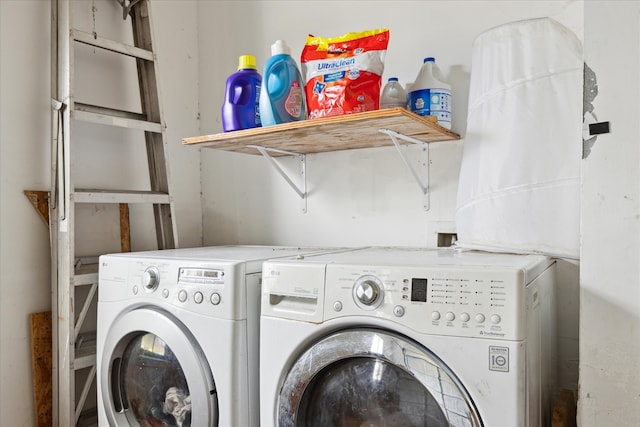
519 187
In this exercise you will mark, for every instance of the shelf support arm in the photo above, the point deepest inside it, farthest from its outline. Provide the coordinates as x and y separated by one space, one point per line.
424 186
300 190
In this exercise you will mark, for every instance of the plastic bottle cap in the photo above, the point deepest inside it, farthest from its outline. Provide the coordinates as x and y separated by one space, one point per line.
430 59
247 62
280 46
393 79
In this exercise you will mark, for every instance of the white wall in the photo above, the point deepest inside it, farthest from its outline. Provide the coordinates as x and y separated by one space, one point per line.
610 271
24 164
25 113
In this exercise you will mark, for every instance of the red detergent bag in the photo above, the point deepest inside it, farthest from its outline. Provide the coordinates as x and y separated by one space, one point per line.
343 75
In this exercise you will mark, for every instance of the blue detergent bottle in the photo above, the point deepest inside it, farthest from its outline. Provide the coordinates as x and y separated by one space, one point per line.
282 95
240 109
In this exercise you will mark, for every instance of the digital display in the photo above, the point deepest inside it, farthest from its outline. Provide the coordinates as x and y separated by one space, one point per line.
419 290
212 273
201 275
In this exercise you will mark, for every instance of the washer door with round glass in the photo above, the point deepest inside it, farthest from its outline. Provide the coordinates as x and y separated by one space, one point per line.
155 374
368 377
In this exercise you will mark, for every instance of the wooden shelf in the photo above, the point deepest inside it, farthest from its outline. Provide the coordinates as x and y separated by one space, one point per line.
346 132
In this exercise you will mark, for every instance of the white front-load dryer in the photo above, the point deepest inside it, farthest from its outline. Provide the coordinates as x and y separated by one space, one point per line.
408 337
177 336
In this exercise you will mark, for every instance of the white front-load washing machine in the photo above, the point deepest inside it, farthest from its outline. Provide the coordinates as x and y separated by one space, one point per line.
408 337
177 336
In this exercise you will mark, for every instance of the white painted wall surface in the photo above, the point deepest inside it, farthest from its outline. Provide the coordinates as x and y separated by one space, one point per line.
25 162
610 267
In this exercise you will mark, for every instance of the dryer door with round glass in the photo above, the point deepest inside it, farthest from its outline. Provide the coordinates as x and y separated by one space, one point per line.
155 373
366 377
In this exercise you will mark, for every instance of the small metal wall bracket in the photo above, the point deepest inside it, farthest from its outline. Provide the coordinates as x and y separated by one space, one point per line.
300 190
424 185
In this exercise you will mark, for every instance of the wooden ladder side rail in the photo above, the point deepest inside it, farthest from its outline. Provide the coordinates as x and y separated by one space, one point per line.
166 229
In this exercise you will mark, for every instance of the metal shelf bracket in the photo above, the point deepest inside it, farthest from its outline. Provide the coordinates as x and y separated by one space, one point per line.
424 185
300 190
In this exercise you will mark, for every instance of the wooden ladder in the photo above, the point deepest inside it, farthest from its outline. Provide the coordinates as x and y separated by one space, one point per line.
75 276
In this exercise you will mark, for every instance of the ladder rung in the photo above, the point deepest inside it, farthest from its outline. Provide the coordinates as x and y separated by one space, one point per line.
85 357
79 106
85 351
86 275
88 417
117 196
112 45
111 117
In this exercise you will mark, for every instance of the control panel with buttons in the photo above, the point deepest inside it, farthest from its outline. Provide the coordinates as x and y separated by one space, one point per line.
482 302
193 286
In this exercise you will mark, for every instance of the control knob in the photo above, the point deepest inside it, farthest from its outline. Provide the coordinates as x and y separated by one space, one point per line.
150 278
368 292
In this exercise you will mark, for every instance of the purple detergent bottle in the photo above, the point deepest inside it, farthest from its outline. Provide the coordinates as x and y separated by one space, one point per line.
240 109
